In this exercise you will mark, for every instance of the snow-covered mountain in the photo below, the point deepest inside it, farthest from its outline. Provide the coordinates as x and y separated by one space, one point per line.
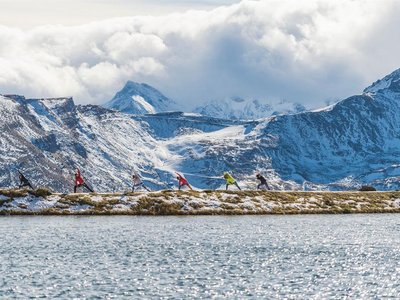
140 98
48 138
356 141
246 109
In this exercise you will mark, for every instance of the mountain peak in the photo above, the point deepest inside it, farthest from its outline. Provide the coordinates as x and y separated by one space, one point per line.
140 98
389 82
133 84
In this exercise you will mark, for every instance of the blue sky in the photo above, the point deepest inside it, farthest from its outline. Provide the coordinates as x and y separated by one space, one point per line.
309 52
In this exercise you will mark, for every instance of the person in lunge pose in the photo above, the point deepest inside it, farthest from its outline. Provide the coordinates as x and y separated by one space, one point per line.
263 185
182 181
230 180
138 183
23 182
79 182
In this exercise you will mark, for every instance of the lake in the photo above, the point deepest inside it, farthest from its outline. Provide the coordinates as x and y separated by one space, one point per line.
254 257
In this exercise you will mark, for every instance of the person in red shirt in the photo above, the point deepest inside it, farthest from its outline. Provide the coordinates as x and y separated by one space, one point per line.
182 182
79 182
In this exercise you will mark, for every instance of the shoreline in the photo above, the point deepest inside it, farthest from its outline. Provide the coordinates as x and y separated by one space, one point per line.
171 202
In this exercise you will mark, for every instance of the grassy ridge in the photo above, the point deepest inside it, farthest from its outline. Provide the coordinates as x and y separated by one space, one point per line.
197 203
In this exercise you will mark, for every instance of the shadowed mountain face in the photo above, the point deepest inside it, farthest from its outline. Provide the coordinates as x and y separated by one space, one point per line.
356 141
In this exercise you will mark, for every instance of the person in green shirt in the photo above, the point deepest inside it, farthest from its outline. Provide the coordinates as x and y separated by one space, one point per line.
230 180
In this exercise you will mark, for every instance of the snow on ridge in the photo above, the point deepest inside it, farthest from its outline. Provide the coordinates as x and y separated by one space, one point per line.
7 104
384 83
53 103
325 108
147 106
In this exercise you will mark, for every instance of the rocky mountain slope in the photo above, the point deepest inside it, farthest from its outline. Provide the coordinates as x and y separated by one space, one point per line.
354 142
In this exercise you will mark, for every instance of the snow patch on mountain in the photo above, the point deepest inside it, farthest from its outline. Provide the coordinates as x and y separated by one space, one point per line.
142 102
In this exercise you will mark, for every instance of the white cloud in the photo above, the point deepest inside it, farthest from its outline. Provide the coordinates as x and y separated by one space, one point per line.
124 46
305 51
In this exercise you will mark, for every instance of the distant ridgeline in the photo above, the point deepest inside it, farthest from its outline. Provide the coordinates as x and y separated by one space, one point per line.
352 143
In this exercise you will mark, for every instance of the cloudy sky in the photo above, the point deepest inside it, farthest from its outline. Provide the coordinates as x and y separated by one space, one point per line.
309 51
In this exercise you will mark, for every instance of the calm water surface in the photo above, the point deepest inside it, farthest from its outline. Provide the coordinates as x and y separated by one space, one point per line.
262 257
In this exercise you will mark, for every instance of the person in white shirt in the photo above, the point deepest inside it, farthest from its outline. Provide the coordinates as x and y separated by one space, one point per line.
138 183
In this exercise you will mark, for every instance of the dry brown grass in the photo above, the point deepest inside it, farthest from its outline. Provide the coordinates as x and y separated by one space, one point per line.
14 193
40 192
230 202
